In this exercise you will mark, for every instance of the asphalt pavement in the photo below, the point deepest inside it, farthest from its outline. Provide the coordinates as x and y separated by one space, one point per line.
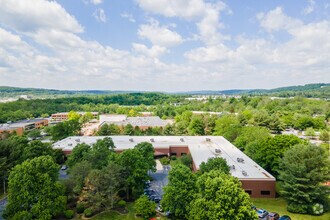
3 204
160 179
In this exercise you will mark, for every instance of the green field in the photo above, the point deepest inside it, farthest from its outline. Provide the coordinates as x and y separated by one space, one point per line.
279 205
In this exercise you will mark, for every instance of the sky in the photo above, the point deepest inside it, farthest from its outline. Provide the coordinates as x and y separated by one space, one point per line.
164 45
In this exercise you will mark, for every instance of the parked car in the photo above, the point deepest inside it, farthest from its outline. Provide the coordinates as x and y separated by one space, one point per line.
284 217
273 216
262 213
64 167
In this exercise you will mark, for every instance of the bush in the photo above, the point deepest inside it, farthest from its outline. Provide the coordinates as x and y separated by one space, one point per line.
122 203
144 207
187 160
297 208
173 157
88 212
165 160
80 208
69 214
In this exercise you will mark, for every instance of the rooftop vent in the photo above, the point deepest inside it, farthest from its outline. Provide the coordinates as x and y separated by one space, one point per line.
244 173
181 139
70 144
77 140
240 160
208 139
217 151
131 140
232 167
152 140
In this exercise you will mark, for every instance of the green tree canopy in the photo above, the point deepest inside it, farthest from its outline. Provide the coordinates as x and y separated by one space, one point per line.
220 196
144 207
36 149
147 151
180 191
33 188
100 152
78 154
304 170
215 163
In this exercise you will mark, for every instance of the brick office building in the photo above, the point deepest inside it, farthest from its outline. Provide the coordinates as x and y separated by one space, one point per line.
255 180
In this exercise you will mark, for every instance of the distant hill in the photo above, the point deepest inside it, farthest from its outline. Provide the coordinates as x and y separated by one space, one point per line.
318 90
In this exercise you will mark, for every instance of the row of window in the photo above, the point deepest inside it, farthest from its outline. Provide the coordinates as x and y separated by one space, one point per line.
262 192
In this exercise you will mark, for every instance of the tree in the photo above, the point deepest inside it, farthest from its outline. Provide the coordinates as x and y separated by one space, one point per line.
251 134
267 153
220 196
74 116
86 117
224 123
147 151
35 133
310 132
78 154
169 130
77 176
129 130
187 160
33 188
100 152
36 149
215 163
102 187
109 129
180 191
325 135
144 207
135 171
65 129
303 170
196 125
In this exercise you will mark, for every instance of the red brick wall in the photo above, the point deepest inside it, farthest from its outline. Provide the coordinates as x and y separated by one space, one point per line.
256 186
179 150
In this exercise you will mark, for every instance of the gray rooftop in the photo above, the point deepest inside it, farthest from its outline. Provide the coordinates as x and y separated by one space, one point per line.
22 123
150 121
201 149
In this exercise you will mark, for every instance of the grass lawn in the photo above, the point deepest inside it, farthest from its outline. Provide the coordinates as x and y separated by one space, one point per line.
116 216
279 205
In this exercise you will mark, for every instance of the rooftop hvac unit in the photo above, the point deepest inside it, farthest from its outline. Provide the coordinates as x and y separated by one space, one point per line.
232 167
77 140
244 173
208 139
131 140
152 140
240 160
181 139
217 151
70 144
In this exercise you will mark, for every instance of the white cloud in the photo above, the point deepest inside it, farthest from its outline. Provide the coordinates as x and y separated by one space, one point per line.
276 20
154 51
96 2
205 14
99 15
30 15
310 7
159 35
128 16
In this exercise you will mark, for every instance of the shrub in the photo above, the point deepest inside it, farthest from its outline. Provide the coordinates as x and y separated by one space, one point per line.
165 160
173 157
144 207
122 203
88 212
69 214
297 208
80 208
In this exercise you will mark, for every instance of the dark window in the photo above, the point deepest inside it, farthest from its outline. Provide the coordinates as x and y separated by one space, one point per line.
248 192
266 192
183 154
173 154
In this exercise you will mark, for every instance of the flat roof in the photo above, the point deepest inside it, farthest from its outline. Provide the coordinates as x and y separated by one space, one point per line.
150 121
22 123
201 149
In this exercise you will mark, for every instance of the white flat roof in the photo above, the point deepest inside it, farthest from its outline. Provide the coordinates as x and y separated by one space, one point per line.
201 149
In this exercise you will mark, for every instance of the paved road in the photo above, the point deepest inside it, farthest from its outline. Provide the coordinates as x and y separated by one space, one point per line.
159 180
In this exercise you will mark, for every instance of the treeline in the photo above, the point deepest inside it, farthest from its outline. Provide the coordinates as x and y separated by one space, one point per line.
23 109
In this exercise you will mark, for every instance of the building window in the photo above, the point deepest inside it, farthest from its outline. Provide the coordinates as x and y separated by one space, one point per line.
183 154
248 192
265 192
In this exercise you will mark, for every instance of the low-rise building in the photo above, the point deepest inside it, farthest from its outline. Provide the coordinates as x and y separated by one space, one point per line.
141 122
256 181
23 125
63 116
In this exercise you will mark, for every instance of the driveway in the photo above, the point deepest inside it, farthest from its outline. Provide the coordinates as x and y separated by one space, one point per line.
159 178
3 204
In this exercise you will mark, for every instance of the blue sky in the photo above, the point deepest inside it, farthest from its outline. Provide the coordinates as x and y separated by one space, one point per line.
164 45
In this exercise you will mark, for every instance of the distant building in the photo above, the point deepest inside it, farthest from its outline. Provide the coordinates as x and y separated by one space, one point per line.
24 125
206 113
141 122
256 181
63 116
